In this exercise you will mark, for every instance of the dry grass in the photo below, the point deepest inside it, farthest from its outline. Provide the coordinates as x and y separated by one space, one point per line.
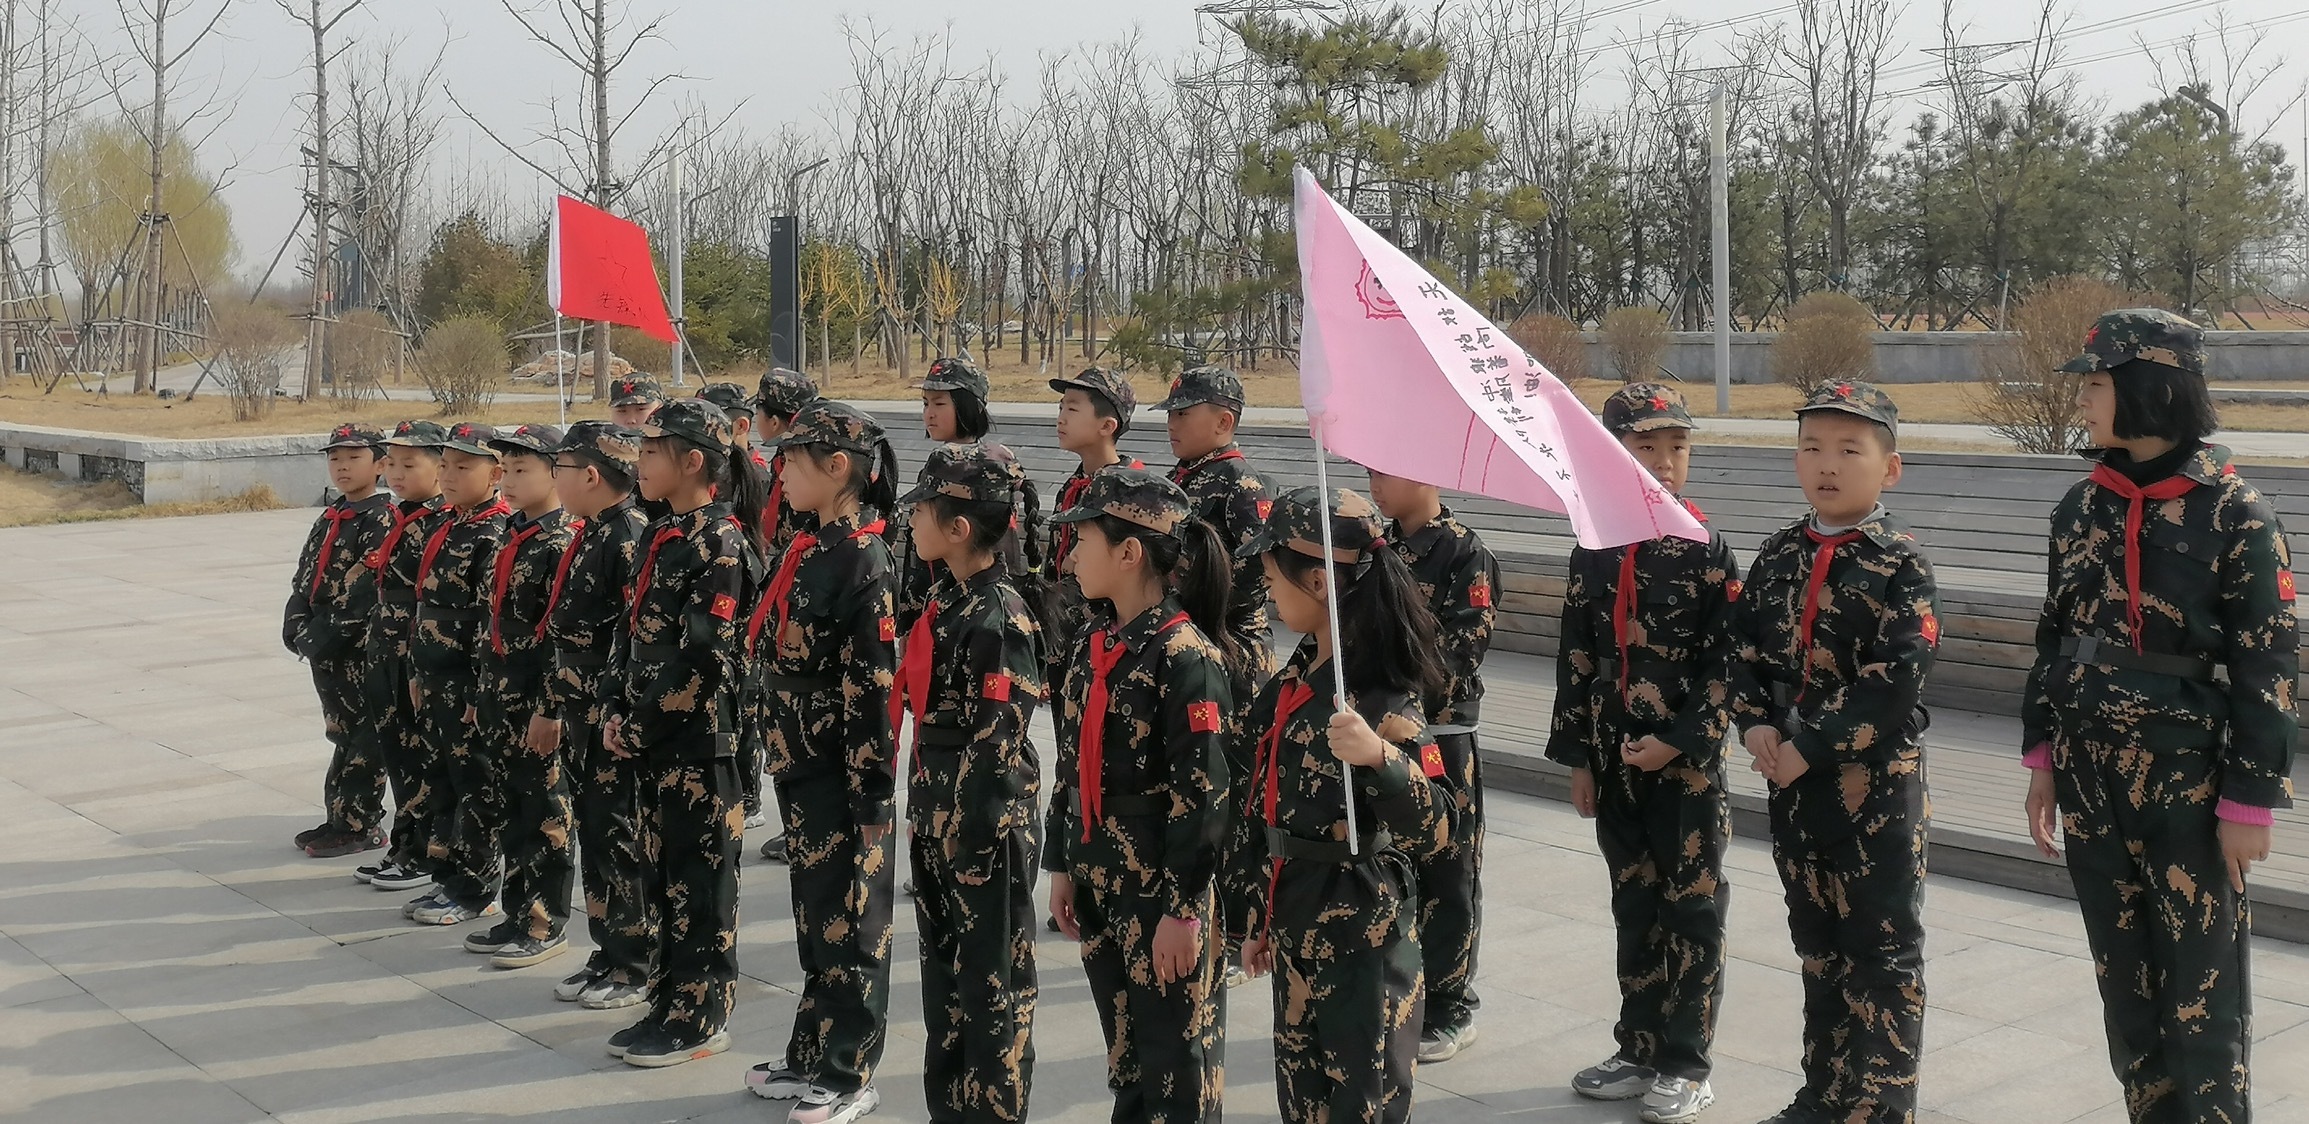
28 499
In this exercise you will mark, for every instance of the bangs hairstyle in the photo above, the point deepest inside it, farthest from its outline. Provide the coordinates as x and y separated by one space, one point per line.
873 480
989 521
2154 400
1884 434
1194 567
1391 638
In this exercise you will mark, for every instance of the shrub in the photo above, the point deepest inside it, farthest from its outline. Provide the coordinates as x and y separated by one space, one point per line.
364 350
1829 336
247 344
1554 341
464 361
1636 339
2024 397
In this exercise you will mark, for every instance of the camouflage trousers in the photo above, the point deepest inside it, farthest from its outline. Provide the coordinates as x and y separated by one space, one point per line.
978 982
751 755
537 823
354 787
1662 836
844 891
1451 899
392 721
1856 916
464 771
690 832
610 796
1163 1042
2168 931
1347 1012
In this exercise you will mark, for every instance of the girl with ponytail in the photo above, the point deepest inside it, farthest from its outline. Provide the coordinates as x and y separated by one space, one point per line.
1139 809
1329 915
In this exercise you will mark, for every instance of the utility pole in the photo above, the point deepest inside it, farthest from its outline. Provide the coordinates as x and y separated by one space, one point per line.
679 236
1720 241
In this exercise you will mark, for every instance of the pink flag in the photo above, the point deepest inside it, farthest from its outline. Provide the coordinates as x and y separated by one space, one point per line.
1400 375
599 268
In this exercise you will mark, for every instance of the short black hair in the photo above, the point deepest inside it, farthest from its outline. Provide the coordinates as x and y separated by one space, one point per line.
2154 400
1885 434
971 419
1104 407
507 452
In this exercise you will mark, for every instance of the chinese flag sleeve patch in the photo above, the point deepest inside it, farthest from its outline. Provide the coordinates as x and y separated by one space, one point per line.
1203 717
890 629
1732 590
725 606
1479 594
1931 629
2285 584
1431 759
995 689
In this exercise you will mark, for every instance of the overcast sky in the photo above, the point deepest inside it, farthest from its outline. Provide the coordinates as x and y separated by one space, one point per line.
785 60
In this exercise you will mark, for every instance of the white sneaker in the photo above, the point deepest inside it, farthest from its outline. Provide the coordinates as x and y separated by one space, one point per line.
822 1106
757 820
1676 1100
1614 1079
772 1081
451 913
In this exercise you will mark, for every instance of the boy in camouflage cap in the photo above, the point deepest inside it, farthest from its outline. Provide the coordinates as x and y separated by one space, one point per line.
413 472
1837 625
1642 705
2158 722
330 602
633 399
1205 405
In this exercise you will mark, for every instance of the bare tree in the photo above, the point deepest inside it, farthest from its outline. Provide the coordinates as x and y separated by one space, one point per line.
147 23
394 125
1836 58
320 19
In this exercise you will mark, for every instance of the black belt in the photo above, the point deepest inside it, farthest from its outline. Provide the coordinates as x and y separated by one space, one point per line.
396 597
656 653
579 657
1451 729
800 684
441 613
2096 651
1283 845
1122 804
943 737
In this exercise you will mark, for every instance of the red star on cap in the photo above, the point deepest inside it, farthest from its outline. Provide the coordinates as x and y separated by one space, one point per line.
2091 334
1659 403
1843 390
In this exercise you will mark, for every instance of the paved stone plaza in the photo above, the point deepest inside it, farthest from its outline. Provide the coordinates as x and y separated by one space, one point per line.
166 956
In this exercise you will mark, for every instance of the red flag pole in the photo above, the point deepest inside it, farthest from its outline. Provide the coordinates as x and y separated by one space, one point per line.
1331 608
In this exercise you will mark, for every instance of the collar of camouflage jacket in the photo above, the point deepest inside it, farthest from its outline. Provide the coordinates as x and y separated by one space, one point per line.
950 592
1422 542
1138 633
1881 527
2210 463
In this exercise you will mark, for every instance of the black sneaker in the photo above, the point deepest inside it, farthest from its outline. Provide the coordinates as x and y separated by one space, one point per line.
306 836
490 941
623 1040
402 876
526 950
1051 923
367 872
774 848
661 1048
336 844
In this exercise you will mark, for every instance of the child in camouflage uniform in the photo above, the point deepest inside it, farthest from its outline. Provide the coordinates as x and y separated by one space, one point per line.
331 599
824 640
1459 580
1204 406
413 472
1837 625
678 680
738 404
1333 916
2167 569
954 396
462 766
512 716
1139 812
1642 706
593 472
971 676
782 395
1087 404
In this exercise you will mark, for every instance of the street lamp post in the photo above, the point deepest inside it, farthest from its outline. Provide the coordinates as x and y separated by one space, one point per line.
794 208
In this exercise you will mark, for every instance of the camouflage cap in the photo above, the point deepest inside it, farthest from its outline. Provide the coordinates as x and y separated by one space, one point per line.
1197 385
1642 406
472 437
732 398
957 374
1114 386
695 420
634 390
836 424
538 440
966 471
2148 335
784 392
354 435
1296 523
1859 399
1133 495
419 435
606 444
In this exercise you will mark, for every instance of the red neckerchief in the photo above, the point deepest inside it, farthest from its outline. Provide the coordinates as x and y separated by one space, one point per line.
2170 488
336 514
497 506
780 593
1295 694
1179 475
911 691
1813 583
1090 763
401 519
560 576
642 576
773 512
501 575
1623 608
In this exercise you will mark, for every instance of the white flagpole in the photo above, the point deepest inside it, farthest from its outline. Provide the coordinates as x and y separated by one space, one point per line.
1331 604
561 389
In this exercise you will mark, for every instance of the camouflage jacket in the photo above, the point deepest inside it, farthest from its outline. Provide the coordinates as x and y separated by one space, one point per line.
975 678
1163 773
588 609
2216 585
1226 493
515 658
1674 680
453 589
1020 551
780 522
1460 580
1066 613
678 669
332 596
826 655
394 562
1294 793
1851 696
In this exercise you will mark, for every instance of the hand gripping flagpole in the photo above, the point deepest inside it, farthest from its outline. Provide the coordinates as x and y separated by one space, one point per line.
1331 607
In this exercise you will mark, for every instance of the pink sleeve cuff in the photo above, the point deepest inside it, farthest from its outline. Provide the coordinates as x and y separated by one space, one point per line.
2246 814
2039 756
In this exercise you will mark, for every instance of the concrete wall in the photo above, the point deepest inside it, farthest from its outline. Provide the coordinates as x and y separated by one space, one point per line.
161 471
1959 356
